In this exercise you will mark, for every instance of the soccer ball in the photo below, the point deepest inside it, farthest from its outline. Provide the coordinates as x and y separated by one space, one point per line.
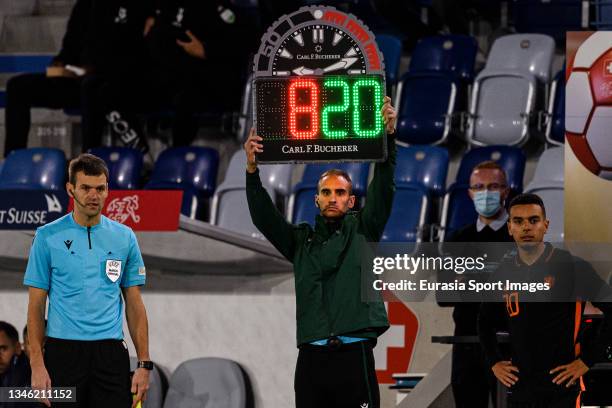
588 104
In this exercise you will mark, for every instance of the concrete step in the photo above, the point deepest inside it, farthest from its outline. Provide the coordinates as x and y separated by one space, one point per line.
55 7
32 34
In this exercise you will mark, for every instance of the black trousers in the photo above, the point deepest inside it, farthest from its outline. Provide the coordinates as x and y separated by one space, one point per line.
100 371
119 101
472 380
27 91
336 378
568 401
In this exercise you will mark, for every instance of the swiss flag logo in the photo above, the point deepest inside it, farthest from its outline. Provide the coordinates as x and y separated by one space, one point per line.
394 349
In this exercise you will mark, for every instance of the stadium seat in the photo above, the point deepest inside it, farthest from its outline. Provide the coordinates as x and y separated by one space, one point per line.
124 166
391 48
229 207
551 17
424 165
34 169
519 68
555 129
453 55
301 206
408 214
434 90
602 19
511 159
191 169
208 382
158 386
548 184
457 211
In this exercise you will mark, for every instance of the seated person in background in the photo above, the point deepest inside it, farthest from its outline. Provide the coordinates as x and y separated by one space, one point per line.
104 38
471 379
197 59
14 364
58 88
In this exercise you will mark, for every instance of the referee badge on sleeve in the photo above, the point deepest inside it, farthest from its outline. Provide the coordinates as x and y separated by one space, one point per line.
113 269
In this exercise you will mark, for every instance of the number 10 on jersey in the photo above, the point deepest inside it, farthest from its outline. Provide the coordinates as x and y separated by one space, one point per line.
331 107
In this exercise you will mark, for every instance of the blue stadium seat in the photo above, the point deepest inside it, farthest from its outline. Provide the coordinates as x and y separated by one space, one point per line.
555 129
408 214
551 17
391 48
458 210
34 169
423 165
454 55
519 68
303 208
191 169
434 90
511 159
124 166
602 19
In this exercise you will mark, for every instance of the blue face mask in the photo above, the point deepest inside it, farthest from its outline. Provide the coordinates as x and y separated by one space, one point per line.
487 202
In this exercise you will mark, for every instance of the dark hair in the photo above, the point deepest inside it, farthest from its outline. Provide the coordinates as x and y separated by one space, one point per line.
10 330
87 163
490 165
527 198
337 172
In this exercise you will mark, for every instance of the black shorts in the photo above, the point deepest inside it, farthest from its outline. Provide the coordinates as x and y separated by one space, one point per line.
100 371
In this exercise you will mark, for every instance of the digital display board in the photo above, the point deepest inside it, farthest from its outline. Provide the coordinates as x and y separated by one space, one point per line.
318 89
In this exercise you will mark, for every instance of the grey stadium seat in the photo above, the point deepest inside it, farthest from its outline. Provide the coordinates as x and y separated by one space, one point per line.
157 386
229 207
207 383
508 95
548 184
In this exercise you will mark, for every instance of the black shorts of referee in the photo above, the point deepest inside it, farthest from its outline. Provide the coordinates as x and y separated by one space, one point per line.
99 369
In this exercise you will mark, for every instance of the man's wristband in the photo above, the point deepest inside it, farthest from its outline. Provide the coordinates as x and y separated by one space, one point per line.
147 365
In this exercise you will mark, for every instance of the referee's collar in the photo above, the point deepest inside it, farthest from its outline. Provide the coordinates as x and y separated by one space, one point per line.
93 227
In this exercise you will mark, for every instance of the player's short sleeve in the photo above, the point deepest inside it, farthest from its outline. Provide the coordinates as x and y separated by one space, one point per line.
134 273
38 271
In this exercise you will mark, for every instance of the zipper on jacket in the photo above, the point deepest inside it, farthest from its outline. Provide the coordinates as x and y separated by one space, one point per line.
89 236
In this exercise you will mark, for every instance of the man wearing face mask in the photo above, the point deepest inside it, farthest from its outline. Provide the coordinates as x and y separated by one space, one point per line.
471 380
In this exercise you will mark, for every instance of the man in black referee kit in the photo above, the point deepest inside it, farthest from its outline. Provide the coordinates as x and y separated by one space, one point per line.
547 359
336 330
84 262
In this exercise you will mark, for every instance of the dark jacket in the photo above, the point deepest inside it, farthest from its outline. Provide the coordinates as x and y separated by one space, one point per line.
73 43
18 375
327 260
545 335
220 29
115 39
